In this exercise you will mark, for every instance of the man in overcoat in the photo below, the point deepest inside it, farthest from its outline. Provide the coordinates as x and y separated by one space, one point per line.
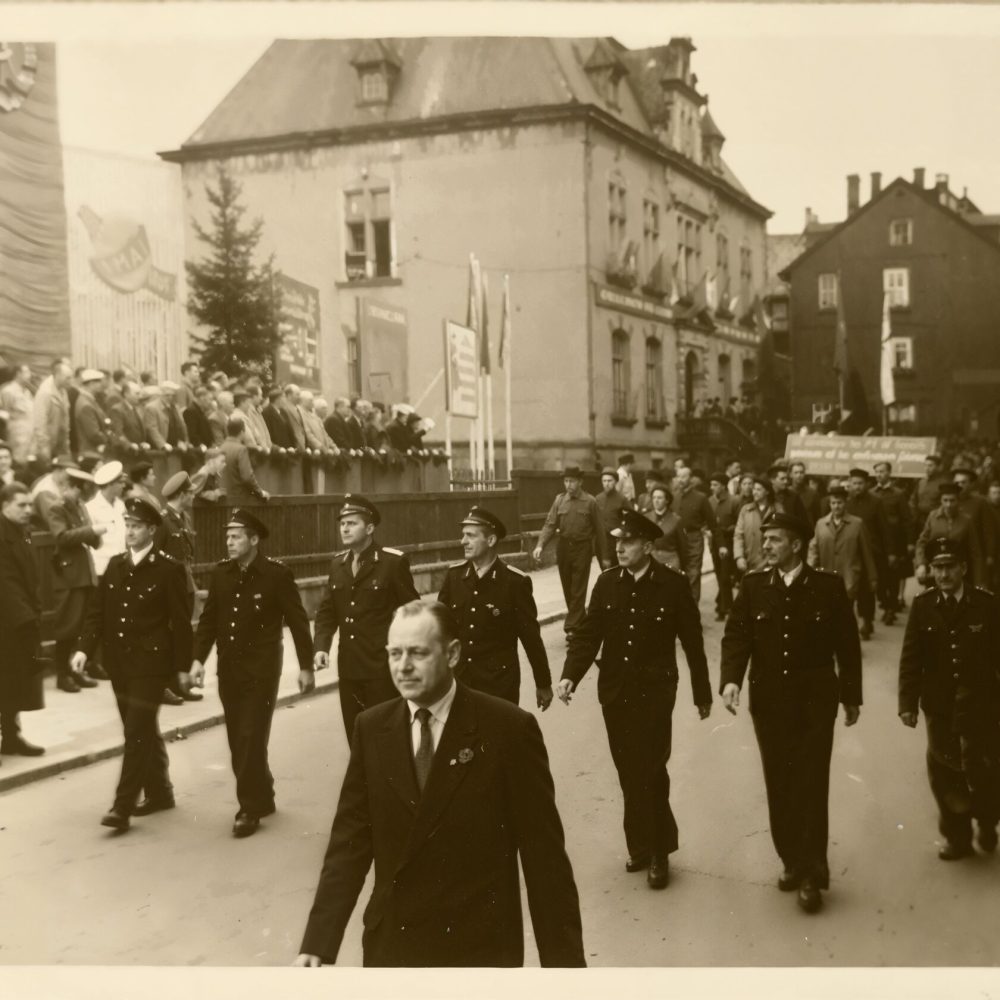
948 667
791 624
21 614
446 788
365 586
636 614
494 608
250 599
840 544
140 614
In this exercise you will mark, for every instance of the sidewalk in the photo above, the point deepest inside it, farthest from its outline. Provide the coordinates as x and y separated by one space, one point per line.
79 729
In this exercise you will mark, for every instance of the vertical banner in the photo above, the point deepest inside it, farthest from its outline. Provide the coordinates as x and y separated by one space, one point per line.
461 370
297 358
383 340
34 283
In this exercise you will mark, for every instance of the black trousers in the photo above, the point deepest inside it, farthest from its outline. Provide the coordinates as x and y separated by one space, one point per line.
573 559
248 703
865 599
639 729
10 726
504 683
694 553
795 747
888 585
357 695
964 773
725 577
145 766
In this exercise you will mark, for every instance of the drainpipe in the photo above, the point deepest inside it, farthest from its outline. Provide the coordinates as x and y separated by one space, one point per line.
591 407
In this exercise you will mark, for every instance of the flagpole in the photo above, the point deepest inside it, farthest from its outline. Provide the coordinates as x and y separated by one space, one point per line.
508 363
491 465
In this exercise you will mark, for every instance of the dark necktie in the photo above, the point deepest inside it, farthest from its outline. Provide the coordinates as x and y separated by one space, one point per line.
424 756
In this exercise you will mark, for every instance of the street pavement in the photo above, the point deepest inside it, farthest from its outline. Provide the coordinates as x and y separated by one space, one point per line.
179 890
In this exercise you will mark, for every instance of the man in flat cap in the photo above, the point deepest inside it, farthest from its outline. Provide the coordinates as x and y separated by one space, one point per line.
948 521
494 609
840 544
574 517
250 599
365 586
948 667
610 504
863 504
636 614
74 577
140 614
791 623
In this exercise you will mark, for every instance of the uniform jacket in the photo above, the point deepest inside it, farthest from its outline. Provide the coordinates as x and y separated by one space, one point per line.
91 424
238 480
748 538
175 536
948 665
446 887
576 519
140 613
636 633
899 531
792 637
244 616
126 424
362 607
74 535
493 614
960 529
844 550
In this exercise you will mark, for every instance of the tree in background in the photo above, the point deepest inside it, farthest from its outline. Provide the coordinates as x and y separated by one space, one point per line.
236 301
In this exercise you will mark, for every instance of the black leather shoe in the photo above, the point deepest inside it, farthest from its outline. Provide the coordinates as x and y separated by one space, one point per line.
659 872
169 698
21 748
115 819
953 852
636 864
146 807
809 898
245 825
866 630
67 683
84 681
986 838
97 672
192 696
789 880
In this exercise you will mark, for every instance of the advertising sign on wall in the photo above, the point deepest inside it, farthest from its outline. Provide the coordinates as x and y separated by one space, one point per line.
298 356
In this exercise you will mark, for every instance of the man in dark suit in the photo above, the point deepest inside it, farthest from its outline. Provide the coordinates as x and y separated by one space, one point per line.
277 421
790 623
494 607
339 424
862 503
898 540
637 612
140 614
127 429
948 667
21 614
366 585
199 428
250 599
445 788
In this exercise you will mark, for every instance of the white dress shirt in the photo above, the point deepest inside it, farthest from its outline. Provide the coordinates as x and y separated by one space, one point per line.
792 575
112 517
138 555
439 716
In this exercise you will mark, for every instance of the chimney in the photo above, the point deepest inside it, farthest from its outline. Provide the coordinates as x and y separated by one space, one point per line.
918 177
810 217
941 182
876 184
853 193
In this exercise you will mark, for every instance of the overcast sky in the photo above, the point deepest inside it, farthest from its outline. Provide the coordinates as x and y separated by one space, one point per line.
805 96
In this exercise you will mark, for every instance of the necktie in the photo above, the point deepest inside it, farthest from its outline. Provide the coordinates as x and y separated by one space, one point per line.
355 566
425 751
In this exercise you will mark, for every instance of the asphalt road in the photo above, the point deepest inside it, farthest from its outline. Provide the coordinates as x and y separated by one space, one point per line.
179 890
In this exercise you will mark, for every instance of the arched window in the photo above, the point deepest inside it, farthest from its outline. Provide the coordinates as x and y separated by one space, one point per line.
654 379
621 376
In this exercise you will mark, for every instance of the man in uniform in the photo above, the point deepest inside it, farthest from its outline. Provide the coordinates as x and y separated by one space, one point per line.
948 668
899 546
861 503
250 599
697 517
726 509
140 614
637 612
494 609
366 585
610 504
574 517
948 521
790 623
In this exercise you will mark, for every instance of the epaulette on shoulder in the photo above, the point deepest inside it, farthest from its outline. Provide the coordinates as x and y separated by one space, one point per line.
757 572
395 552
819 569
610 569
222 562
985 590
458 565
169 558
514 569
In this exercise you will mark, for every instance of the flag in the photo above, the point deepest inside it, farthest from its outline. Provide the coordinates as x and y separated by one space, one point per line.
472 305
505 321
699 298
887 388
840 338
760 319
734 304
712 292
675 285
484 333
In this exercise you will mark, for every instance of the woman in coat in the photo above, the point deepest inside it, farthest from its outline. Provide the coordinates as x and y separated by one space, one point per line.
669 549
748 539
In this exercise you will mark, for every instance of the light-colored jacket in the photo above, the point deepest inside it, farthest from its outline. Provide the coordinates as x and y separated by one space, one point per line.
51 420
17 400
748 539
316 435
844 550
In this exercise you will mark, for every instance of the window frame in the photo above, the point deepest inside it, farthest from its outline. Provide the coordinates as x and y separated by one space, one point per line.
376 223
621 374
827 298
907 232
899 295
617 214
655 407
651 230
902 346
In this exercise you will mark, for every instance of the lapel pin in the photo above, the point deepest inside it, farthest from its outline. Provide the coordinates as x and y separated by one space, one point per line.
464 755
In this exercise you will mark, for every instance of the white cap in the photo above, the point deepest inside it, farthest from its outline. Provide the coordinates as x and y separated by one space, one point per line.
108 473
91 375
170 387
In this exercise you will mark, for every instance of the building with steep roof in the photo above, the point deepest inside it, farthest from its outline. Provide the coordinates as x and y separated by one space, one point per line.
588 172
937 258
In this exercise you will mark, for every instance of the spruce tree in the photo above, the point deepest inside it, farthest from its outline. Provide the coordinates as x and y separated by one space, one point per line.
235 300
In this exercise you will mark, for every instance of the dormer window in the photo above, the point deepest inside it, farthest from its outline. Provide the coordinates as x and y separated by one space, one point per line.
377 66
606 72
374 87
